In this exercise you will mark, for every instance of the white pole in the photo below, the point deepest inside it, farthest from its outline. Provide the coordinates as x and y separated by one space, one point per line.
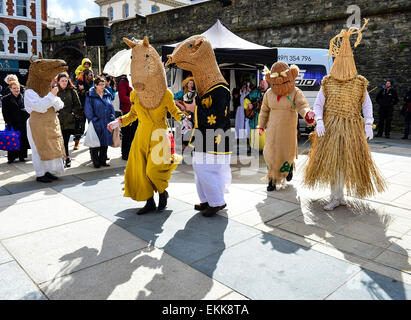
99 61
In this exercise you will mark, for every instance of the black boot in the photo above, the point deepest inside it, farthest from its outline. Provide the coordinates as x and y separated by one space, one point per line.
271 186
150 206
43 179
201 206
290 174
51 176
162 201
248 147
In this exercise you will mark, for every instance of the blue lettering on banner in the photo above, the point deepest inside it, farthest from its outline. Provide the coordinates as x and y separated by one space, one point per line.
9 65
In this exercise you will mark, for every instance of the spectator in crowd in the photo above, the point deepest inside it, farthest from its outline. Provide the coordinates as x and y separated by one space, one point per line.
99 110
406 112
16 116
386 98
85 65
188 86
82 88
127 132
72 108
8 79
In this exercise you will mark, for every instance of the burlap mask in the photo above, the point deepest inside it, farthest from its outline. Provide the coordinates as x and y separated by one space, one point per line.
281 78
344 67
196 54
147 73
41 72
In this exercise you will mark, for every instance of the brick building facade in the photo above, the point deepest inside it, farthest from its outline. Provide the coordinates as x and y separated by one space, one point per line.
21 23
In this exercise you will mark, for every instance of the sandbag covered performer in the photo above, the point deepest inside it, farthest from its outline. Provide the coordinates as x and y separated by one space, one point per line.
43 126
211 137
279 117
150 160
339 154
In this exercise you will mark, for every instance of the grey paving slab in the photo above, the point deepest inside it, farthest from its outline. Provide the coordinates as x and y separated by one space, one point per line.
40 214
16 285
34 185
368 285
123 211
268 267
3 191
189 236
4 256
28 196
101 174
59 251
93 190
148 274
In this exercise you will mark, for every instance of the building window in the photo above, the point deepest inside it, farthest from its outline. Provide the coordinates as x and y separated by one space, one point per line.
21 8
22 42
154 9
1 40
1 6
125 11
110 14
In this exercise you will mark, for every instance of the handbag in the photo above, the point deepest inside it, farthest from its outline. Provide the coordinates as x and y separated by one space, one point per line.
10 139
91 140
116 138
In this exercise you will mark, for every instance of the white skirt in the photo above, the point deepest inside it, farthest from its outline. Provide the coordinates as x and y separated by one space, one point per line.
55 166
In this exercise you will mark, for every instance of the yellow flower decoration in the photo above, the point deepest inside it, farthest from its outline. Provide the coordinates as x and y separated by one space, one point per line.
207 102
217 139
226 110
211 119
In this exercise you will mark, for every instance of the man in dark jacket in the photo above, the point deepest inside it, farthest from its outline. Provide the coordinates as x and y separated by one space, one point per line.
83 88
386 98
129 131
406 112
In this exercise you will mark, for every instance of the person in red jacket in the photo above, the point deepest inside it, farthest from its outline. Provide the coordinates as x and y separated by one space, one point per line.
129 131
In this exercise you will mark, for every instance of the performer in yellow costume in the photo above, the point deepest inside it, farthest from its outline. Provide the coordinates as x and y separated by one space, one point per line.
339 155
150 161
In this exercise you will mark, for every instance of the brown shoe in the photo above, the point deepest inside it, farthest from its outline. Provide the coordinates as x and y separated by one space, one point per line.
76 143
210 211
201 206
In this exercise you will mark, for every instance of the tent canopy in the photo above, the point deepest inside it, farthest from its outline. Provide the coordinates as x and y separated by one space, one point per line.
230 48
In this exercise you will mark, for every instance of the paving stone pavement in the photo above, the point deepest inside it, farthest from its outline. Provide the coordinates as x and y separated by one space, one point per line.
79 238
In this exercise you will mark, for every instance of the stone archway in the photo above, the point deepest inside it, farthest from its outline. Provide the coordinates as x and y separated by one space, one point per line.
72 56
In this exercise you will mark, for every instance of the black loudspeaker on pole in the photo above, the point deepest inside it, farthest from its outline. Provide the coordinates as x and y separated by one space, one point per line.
98 36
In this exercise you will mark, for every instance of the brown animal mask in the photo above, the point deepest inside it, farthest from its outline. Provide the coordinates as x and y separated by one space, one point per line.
147 73
281 78
41 72
196 54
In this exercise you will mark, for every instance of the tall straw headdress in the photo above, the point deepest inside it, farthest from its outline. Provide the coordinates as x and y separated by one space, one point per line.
343 67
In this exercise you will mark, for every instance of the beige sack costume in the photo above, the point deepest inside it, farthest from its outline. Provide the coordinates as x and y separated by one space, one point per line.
43 126
278 117
341 157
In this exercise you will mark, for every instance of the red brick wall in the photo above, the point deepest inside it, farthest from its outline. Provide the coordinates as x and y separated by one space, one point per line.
11 45
10 7
12 23
34 45
33 10
44 10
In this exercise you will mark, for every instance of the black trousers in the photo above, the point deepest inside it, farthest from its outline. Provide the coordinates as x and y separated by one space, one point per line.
80 127
99 155
66 137
127 136
13 155
385 117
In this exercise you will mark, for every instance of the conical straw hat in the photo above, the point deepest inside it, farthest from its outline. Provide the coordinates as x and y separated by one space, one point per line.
343 67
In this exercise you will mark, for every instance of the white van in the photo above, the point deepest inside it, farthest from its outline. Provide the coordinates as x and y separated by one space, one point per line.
314 64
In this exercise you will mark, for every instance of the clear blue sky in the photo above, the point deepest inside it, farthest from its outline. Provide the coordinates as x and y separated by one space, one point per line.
72 10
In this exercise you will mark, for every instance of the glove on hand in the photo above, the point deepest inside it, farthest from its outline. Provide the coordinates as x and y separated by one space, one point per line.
369 134
320 128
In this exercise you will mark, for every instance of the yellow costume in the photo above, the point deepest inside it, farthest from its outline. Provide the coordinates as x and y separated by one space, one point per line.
148 169
81 67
